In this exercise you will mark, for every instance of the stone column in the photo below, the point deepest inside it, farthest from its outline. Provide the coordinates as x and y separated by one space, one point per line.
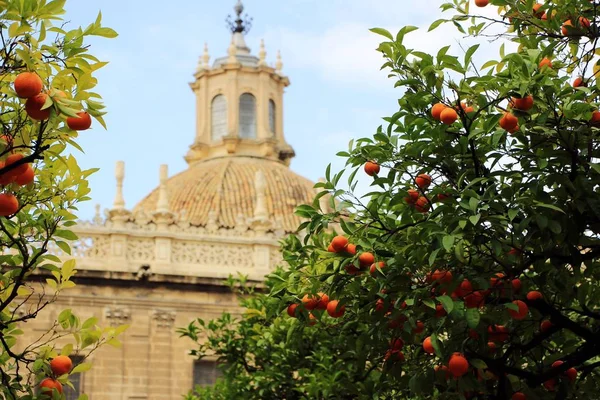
160 384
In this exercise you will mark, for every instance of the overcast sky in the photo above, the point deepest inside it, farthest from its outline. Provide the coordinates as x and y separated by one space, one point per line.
337 90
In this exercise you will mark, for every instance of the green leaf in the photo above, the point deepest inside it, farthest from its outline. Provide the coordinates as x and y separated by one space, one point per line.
435 24
448 242
382 32
83 367
447 302
473 317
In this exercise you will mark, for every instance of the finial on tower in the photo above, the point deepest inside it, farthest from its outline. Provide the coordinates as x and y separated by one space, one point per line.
162 205
279 63
119 203
205 56
239 25
262 54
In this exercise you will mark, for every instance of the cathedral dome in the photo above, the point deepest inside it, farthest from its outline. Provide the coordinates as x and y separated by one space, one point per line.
226 188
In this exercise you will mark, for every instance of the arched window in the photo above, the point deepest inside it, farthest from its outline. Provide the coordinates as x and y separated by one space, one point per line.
272 117
247 116
219 117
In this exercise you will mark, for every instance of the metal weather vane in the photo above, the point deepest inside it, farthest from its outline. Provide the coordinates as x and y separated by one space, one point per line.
239 25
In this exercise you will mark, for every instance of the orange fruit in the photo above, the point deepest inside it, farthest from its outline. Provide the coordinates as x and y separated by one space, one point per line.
536 10
366 259
371 168
351 249
595 119
61 365
545 325
579 82
437 109
571 374
49 385
80 123
458 365
397 344
475 300
422 205
508 122
546 62
419 328
441 276
518 396
331 249
534 295
522 104
8 204
312 320
323 300
28 84
18 170
440 311
481 3
33 107
310 301
423 181
448 116
334 311
291 310
413 195
339 243
464 288
521 313
427 346
498 333
373 268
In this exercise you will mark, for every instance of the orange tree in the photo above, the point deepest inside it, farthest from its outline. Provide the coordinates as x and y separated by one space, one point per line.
46 97
471 270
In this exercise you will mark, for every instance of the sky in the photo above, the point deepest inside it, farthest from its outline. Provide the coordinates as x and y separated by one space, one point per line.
337 91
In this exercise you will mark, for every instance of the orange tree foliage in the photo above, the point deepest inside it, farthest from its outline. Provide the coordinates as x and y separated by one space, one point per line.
46 80
494 264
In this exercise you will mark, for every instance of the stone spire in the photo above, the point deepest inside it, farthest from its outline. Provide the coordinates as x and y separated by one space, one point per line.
162 205
204 59
119 203
279 63
262 54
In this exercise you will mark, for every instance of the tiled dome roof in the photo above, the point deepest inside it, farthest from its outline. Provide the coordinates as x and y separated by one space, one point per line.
226 186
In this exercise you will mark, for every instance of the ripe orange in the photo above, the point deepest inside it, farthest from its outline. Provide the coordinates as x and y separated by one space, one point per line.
8 204
331 249
422 205
334 310
549 385
448 116
595 119
366 259
393 355
491 347
441 276
373 268
352 269
28 84
413 195
291 310
518 396
437 109
312 320
19 170
5 179
545 325
323 300
522 104
568 28
516 284
397 344
442 369
423 181
481 3
508 121
351 249
61 365
80 123
498 333
464 288
571 374
33 107
440 311
371 168
536 10
546 62
310 301
458 365
48 385
521 313
427 346
419 328
339 243
534 295
475 300
579 82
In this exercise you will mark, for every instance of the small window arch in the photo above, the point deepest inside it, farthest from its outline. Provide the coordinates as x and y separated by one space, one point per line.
247 116
272 117
219 117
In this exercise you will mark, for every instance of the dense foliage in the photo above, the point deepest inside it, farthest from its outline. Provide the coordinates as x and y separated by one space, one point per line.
46 97
480 234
